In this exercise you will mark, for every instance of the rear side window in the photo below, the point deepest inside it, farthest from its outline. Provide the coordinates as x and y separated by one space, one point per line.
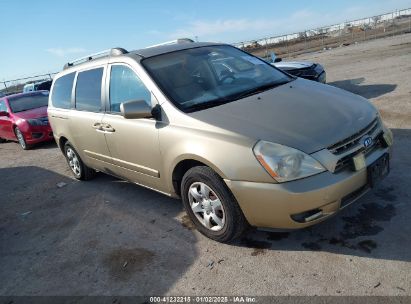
88 90
61 95
125 86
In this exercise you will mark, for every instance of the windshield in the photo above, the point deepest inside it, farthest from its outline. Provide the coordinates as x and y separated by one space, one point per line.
204 77
28 102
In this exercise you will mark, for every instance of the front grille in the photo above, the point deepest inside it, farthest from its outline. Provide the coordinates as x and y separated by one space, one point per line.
44 120
346 144
36 135
353 143
347 160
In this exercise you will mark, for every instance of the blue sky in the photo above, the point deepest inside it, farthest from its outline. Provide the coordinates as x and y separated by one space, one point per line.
40 36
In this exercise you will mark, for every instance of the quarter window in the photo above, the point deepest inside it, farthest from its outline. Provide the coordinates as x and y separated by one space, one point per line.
125 85
61 95
88 90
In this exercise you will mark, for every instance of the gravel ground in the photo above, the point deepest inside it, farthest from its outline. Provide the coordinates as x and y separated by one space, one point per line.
109 237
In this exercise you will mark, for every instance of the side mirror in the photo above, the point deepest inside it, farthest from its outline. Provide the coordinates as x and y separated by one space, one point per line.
278 59
3 113
135 109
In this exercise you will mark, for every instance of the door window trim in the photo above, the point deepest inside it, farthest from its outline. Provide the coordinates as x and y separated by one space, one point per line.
107 87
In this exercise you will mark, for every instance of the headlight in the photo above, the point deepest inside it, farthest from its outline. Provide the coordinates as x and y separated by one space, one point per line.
285 163
35 122
319 68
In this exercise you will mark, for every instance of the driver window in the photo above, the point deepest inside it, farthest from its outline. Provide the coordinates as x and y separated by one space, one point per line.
125 85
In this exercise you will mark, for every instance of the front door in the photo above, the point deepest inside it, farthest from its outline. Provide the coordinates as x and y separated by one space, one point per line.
133 143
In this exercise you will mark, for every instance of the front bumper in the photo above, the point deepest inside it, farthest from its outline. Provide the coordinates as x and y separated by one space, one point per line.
37 134
322 77
268 205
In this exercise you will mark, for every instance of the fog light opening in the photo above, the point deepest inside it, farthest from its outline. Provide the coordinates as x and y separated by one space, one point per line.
307 216
36 135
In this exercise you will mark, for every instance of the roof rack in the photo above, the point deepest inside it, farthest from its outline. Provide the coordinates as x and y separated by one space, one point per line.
177 41
105 53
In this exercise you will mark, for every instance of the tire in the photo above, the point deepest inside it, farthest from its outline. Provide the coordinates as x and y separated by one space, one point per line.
21 139
78 168
211 205
2 140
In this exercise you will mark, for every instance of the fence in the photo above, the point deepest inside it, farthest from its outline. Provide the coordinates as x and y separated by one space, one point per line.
290 45
345 33
16 85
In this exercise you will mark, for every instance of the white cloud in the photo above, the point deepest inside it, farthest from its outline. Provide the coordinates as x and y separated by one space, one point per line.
62 52
242 29
214 28
154 32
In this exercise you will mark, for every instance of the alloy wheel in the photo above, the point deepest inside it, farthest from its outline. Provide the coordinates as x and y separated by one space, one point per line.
73 161
20 138
206 206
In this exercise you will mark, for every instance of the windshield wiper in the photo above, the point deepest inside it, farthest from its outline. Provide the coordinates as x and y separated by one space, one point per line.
206 105
259 89
223 100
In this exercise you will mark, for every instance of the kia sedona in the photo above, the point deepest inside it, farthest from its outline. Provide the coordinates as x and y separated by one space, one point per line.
250 147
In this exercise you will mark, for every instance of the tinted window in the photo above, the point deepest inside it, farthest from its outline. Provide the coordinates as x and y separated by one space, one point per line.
61 95
124 86
88 90
28 102
3 107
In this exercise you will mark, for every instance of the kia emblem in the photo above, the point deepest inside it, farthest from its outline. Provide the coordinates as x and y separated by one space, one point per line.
367 142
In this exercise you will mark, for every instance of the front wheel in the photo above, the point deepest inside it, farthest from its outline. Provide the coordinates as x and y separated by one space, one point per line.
21 139
79 169
211 206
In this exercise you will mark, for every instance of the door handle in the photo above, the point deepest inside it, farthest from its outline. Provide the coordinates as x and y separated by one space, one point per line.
107 128
97 126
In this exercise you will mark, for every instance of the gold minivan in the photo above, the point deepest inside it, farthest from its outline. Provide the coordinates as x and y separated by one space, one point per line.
241 142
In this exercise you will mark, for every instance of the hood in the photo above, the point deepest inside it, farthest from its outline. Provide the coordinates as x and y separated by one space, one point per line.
292 65
33 113
302 114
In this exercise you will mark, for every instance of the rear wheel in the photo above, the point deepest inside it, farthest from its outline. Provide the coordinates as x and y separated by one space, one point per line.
21 139
211 205
79 169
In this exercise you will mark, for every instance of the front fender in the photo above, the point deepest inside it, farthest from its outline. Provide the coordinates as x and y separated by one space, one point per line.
229 155
23 125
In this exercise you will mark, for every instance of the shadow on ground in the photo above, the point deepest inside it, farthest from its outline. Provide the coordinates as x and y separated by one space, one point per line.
367 91
40 146
59 236
376 226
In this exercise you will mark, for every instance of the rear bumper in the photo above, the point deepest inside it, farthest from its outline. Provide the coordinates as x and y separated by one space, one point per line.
279 205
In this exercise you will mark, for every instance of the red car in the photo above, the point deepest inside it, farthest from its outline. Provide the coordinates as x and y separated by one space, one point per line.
23 118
